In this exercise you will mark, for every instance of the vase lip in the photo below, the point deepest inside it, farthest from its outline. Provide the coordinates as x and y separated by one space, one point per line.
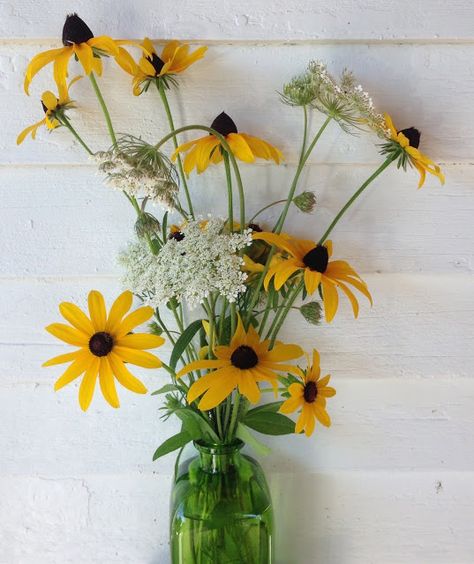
218 448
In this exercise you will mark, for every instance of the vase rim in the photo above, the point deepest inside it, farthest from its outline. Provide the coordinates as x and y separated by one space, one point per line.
216 448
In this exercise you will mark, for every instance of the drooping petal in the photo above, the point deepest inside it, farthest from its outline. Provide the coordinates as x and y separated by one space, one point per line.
107 382
248 386
85 55
126 61
104 43
60 67
76 317
30 129
322 415
69 335
310 422
139 358
283 352
124 376
208 380
312 280
97 312
283 271
351 297
38 62
240 148
87 387
330 298
49 100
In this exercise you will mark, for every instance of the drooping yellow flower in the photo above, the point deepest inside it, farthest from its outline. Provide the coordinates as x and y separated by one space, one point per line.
242 364
52 106
409 140
309 395
206 150
174 59
79 40
105 345
312 259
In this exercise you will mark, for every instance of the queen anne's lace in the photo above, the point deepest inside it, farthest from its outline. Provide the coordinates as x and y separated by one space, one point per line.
205 260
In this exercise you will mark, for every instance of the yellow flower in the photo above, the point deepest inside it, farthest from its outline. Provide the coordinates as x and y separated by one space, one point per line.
79 40
105 345
409 140
311 259
174 59
206 150
52 106
242 364
310 395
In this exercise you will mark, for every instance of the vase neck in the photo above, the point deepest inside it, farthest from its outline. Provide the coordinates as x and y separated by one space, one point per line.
217 459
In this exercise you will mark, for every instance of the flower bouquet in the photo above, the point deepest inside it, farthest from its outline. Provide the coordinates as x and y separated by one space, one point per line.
219 289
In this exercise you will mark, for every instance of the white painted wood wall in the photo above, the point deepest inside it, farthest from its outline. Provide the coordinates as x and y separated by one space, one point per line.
393 480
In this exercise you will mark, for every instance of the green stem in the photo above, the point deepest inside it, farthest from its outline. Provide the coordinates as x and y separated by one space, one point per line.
266 208
279 320
65 121
233 419
304 156
226 148
356 194
230 204
103 105
164 99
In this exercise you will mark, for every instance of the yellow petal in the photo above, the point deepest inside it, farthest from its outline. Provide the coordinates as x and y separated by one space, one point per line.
201 365
322 415
205 382
132 320
49 100
282 352
216 394
87 387
62 358
76 317
119 308
312 280
104 43
248 386
107 382
140 341
139 358
126 61
30 129
69 335
291 405
124 376
38 62
60 67
85 55
82 363
97 311
240 148
330 299
352 298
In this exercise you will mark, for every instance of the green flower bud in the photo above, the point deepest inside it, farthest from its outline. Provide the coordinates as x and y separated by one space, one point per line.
306 201
312 312
146 224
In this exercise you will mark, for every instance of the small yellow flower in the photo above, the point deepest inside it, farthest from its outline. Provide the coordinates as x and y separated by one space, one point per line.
78 40
206 150
174 59
242 364
105 345
52 106
309 395
311 259
409 140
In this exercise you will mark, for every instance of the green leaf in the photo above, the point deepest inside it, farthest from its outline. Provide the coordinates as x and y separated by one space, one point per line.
273 407
165 389
245 435
269 423
195 425
183 341
173 443
165 227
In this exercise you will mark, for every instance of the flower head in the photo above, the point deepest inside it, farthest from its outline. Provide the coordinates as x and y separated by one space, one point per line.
153 68
54 108
242 364
312 261
403 145
196 260
105 344
310 395
78 40
206 150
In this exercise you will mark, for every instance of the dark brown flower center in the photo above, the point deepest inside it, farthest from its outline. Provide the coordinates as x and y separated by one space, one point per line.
75 30
224 124
317 259
101 343
157 63
413 136
244 357
255 227
310 392
176 235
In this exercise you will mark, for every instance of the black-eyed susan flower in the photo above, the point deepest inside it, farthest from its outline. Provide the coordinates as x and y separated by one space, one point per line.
105 343
53 107
174 59
200 153
242 364
309 395
312 260
404 146
78 40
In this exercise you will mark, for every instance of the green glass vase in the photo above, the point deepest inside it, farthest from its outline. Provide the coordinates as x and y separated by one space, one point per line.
221 510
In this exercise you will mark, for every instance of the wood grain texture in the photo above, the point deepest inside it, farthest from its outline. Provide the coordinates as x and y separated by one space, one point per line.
392 481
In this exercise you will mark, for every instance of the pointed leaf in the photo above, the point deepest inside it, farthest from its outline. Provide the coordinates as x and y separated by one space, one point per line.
173 443
183 341
269 423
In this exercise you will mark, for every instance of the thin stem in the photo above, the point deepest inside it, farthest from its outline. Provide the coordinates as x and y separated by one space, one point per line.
305 131
226 147
65 121
279 320
266 208
164 99
303 158
103 105
356 194
230 204
233 419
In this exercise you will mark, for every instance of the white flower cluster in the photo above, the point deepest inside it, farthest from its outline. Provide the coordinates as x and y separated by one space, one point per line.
138 178
203 259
